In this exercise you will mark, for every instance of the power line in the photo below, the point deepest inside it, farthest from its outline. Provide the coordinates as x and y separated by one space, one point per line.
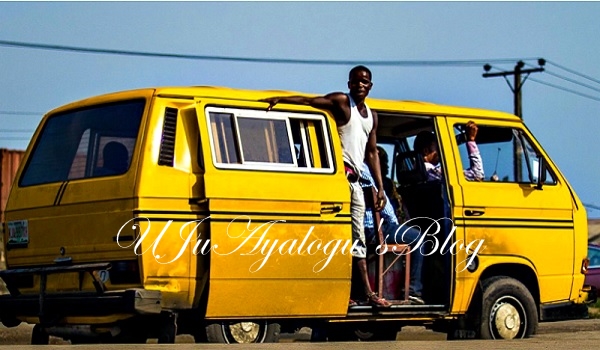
572 81
474 62
21 113
16 130
565 89
573 71
569 80
406 63
591 206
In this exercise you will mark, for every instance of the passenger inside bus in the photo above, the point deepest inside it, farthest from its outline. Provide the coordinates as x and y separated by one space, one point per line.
116 159
390 188
426 145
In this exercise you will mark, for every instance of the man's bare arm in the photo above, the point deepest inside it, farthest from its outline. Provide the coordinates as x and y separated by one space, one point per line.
333 102
372 160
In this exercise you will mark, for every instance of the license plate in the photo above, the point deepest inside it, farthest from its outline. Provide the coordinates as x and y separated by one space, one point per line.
18 232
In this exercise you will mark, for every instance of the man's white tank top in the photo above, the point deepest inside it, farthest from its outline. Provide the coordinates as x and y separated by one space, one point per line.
354 136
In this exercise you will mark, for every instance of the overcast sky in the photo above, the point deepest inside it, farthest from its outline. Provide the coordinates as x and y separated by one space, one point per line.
564 33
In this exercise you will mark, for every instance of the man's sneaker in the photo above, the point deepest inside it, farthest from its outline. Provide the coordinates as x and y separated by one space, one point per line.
415 300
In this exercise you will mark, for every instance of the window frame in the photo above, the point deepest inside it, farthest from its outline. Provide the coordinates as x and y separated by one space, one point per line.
288 131
306 140
96 134
522 137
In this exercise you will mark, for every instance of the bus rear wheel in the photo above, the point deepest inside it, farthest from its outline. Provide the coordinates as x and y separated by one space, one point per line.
39 336
508 310
243 332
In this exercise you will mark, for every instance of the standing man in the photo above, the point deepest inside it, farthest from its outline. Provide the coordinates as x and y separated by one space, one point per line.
357 127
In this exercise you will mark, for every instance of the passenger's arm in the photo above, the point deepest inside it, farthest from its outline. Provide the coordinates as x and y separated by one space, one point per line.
372 160
475 171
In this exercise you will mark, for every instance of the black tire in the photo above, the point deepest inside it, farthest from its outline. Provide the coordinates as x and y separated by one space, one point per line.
39 336
508 310
460 333
167 330
318 334
340 332
200 336
243 332
384 334
361 332
129 336
88 340
375 331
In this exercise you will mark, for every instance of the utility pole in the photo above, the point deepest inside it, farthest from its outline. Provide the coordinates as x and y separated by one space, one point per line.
516 89
518 84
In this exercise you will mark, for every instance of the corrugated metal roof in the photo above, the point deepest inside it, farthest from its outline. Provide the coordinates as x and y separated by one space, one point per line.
9 163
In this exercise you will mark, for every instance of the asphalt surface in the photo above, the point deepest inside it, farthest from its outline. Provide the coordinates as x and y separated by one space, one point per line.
579 334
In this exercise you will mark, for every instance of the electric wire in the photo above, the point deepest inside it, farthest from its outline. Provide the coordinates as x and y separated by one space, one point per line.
565 89
570 80
472 62
21 113
591 206
572 71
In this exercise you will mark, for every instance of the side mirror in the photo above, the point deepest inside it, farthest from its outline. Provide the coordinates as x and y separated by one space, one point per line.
541 173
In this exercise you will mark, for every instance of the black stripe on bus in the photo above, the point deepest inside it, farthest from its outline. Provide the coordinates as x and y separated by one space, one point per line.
474 218
508 225
336 222
60 193
231 213
172 212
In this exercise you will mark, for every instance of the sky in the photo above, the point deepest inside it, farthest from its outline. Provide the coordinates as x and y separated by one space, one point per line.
34 81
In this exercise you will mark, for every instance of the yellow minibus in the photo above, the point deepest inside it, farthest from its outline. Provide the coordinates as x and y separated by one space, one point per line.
192 210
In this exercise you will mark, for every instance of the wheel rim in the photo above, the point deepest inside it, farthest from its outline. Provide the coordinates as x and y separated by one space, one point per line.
507 319
244 332
363 334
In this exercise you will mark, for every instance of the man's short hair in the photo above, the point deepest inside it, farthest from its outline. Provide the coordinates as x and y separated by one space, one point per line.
358 69
423 140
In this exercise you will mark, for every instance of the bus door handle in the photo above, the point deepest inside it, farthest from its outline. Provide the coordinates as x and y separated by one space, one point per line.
331 208
473 212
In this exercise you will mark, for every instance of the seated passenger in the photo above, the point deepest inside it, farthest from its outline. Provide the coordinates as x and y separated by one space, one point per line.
390 188
426 145
115 159
388 184
394 233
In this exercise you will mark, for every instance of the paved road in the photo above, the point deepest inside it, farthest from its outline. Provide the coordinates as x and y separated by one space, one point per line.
580 334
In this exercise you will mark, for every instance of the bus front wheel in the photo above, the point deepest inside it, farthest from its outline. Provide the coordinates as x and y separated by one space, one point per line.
508 310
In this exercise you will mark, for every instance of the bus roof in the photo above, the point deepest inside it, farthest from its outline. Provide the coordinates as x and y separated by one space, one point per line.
217 92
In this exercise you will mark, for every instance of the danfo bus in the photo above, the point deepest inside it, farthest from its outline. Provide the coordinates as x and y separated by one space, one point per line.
192 210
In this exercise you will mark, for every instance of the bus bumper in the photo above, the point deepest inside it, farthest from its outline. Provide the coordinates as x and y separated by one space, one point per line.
50 307
570 310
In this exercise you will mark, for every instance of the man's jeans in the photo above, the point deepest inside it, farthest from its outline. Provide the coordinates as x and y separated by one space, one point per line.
393 233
